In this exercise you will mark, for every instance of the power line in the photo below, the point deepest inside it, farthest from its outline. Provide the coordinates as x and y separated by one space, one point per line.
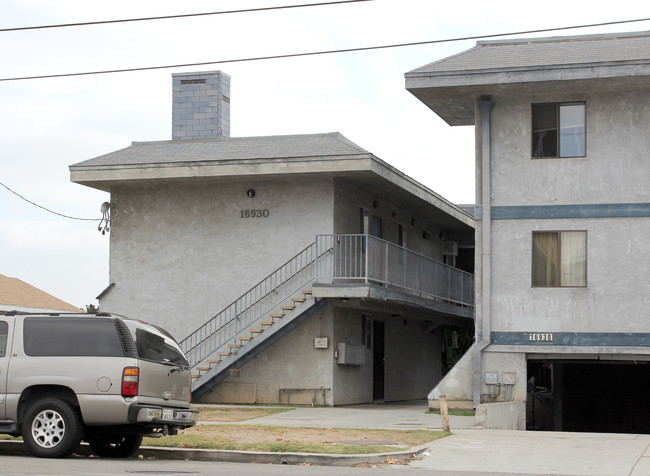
324 52
47 209
186 15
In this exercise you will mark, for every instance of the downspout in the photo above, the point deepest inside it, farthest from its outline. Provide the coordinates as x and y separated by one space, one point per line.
483 337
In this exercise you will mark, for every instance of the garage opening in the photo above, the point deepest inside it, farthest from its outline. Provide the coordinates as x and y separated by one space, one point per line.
587 396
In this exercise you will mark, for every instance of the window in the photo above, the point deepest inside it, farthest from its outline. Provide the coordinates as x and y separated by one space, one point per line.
4 330
559 130
155 345
559 258
366 330
69 336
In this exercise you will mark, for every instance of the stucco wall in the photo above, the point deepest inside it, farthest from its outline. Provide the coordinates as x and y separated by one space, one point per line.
348 200
615 169
352 383
412 359
616 298
181 253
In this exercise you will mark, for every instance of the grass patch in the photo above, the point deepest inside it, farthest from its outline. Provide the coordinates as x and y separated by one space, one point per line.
306 440
453 411
235 414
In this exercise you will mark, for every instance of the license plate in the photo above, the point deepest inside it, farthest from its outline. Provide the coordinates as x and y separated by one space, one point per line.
168 415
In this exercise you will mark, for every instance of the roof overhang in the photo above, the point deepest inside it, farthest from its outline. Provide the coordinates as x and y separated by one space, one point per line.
452 94
364 170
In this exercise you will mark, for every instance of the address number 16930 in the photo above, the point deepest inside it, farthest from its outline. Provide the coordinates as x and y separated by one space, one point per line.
254 213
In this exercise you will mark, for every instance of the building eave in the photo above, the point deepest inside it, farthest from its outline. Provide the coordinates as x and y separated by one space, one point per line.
452 94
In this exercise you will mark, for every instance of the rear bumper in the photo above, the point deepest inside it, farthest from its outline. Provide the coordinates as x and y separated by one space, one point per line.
153 416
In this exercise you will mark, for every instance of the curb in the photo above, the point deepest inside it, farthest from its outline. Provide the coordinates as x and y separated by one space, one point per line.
16 448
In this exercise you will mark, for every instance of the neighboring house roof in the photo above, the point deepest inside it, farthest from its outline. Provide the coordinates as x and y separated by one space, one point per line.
19 296
592 61
217 159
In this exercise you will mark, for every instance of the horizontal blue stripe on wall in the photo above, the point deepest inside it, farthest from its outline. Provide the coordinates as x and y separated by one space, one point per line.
571 338
605 210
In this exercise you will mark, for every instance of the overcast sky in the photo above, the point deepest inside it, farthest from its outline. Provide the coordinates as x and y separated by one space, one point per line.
48 124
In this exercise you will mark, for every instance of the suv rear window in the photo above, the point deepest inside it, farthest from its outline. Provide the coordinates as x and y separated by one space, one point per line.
154 345
69 336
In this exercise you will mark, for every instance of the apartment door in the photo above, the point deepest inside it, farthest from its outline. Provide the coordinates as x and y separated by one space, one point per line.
377 360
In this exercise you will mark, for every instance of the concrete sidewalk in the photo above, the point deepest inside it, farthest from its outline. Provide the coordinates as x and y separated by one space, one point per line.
388 416
472 450
479 451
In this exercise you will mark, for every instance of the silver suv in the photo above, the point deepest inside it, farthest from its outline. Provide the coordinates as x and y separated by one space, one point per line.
103 378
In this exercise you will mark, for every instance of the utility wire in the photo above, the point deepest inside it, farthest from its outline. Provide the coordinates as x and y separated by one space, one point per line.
324 52
47 209
186 15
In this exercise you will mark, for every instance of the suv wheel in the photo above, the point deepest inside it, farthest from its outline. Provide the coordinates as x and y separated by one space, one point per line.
52 428
115 446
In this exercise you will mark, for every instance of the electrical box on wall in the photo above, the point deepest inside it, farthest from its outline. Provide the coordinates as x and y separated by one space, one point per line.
320 343
349 354
491 378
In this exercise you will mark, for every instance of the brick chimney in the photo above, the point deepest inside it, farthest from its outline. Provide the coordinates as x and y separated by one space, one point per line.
201 107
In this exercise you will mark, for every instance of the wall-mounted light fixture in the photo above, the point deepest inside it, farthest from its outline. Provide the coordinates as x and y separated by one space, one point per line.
250 193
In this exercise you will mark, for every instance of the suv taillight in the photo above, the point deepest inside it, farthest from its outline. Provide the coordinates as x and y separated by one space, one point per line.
130 380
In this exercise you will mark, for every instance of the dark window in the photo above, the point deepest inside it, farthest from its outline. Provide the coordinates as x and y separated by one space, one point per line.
155 345
366 330
68 336
558 130
401 235
4 330
376 228
559 259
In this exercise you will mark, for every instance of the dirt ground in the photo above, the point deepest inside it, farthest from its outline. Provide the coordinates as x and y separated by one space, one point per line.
214 431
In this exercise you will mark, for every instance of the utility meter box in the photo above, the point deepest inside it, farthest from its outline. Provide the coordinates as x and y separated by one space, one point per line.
491 378
509 378
350 354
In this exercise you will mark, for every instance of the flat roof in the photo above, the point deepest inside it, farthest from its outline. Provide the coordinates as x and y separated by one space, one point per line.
609 61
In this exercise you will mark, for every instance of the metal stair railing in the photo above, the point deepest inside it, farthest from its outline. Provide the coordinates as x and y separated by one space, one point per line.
250 307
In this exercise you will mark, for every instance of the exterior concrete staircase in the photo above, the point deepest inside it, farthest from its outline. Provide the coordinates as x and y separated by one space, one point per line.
260 317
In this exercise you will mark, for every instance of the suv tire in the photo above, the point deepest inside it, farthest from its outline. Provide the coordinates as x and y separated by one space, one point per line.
115 446
52 428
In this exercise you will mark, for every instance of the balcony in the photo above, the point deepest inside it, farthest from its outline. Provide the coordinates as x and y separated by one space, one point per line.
348 260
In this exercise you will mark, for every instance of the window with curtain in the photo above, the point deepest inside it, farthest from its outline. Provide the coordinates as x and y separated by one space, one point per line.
559 130
559 259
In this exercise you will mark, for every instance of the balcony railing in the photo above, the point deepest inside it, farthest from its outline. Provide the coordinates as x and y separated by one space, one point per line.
365 259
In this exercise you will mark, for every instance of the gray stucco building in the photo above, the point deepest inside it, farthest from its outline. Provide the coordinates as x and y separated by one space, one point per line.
563 219
290 267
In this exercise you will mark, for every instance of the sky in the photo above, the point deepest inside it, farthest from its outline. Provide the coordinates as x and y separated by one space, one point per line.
48 124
